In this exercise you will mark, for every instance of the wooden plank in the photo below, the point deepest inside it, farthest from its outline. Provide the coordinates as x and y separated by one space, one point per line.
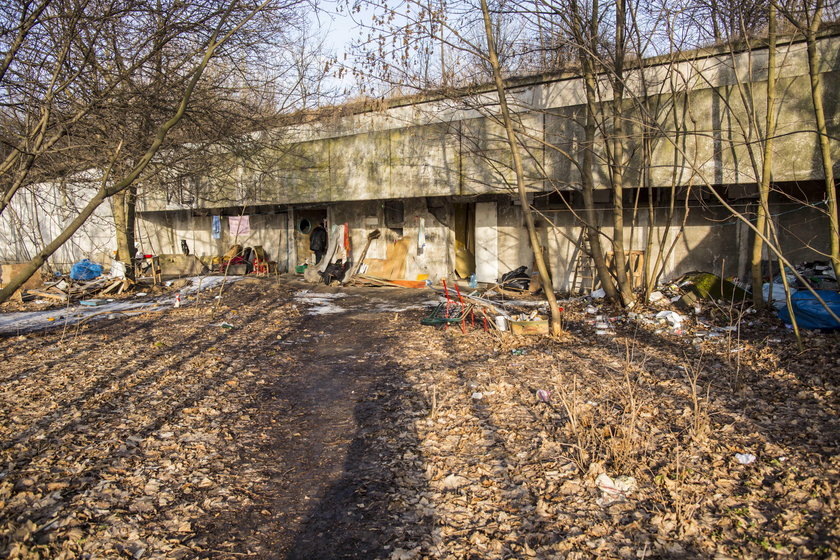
91 283
48 295
365 279
375 234
111 288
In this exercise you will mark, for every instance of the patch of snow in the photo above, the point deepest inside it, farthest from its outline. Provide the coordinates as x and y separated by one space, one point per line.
385 308
28 321
198 283
323 307
307 295
320 303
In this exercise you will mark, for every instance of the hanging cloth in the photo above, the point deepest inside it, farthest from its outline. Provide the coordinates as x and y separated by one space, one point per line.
240 226
421 234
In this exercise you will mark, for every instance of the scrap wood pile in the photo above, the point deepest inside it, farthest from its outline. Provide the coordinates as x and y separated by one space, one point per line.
376 282
489 305
485 311
67 290
522 308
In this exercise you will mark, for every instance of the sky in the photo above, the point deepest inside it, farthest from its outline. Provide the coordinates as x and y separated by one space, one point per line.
337 29
335 26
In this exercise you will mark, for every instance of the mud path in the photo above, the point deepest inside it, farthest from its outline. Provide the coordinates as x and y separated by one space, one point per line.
337 392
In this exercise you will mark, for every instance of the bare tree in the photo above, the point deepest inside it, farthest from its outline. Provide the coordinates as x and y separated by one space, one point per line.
767 165
617 157
513 143
807 16
584 31
101 80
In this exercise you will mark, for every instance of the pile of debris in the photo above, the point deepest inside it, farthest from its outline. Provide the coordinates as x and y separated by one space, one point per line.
818 274
68 290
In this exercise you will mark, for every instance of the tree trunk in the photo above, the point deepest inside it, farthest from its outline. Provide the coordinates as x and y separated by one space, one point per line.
587 41
767 164
125 217
625 289
513 142
822 130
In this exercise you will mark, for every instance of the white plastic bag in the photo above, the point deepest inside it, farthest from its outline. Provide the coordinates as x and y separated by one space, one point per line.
117 269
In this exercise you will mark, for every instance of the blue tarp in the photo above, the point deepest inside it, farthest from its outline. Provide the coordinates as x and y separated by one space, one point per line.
810 313
85 270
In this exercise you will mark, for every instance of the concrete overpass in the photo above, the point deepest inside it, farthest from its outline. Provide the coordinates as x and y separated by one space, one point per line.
441 166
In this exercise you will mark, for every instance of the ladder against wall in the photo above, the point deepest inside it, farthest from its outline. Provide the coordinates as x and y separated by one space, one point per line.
585 278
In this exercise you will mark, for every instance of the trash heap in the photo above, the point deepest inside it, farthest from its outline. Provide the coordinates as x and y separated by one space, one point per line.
86 279
819 274
688 307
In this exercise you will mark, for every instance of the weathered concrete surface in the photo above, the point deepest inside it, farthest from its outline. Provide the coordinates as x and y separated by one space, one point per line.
426 156
700 107
181 265
162 232
710 240
39 213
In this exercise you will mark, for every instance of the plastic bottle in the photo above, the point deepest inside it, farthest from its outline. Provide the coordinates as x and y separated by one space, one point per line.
177 300
473 282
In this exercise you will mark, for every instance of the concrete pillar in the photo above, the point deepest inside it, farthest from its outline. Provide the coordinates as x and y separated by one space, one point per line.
486 242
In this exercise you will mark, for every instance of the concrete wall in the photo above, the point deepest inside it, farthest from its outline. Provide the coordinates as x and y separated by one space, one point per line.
712 240
701 107
436 258
37 215
162 232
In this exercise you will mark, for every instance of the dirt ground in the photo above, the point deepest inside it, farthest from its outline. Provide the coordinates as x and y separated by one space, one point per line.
304 422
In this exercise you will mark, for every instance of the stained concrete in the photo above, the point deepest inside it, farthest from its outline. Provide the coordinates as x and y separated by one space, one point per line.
457 147
429 155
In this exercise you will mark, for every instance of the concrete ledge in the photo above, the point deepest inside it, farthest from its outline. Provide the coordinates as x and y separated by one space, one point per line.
181 265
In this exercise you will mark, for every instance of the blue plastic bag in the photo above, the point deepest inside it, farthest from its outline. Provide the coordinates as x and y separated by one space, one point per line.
85 270
810 313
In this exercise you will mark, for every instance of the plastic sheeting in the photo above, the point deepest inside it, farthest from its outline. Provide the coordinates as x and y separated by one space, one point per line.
810 313
85 270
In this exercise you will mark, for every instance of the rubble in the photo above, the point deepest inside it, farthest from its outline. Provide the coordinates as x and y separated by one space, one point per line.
67 290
